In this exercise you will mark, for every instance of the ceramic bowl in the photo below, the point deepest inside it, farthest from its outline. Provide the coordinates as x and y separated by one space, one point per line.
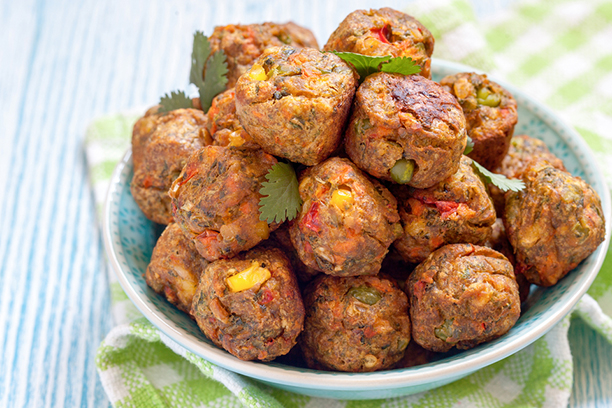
129 239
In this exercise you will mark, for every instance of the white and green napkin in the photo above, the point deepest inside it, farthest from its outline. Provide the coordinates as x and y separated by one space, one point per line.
557 51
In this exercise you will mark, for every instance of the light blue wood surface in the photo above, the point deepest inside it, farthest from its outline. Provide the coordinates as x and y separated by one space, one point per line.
62 63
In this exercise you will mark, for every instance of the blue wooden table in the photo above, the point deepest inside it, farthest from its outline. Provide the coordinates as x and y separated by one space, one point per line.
62 63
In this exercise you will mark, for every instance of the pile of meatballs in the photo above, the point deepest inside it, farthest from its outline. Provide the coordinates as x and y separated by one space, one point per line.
400 251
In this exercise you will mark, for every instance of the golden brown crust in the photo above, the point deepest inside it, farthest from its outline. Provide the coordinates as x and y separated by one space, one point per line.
490 127
384 32
344 241
300 110
175 268
161 146
215 200
456 210
243 44
406 117
343 333
524 153
259 323
223 124
461 296
552 224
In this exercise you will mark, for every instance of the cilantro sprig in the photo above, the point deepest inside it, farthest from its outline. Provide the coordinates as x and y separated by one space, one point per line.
282 197
498 180
176 100
366 65
208 73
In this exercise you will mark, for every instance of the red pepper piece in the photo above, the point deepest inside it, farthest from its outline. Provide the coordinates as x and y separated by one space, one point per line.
190 170
381 34
311 219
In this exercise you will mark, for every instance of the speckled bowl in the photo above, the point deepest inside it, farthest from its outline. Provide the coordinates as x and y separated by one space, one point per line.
129 239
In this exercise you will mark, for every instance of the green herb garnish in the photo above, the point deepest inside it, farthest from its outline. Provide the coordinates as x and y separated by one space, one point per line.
499 180
366 65
208 74
469 146
401 65
176 100
282 197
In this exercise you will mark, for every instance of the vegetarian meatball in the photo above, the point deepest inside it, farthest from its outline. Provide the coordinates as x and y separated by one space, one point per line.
281 239
243 44
490 115
460 296
160 156
552 224
347 221
456 210
294 103
354 324
223 124
384 32
524 153
215 200
406 129
499 242
175 268
250 305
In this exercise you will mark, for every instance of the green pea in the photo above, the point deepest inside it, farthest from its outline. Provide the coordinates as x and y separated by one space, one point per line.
402 171
365 294
485 97
445 331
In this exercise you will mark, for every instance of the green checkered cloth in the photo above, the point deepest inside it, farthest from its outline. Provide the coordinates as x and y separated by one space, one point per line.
557 51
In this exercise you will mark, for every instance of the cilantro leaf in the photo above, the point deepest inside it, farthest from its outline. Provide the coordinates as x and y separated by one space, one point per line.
199 55
499 180
215 79
208 74
282 199
469 146
364 64
402 65
176 100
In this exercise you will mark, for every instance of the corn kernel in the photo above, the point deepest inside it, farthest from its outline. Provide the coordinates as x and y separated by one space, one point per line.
235 139
258 73
262 230
342 198
251 276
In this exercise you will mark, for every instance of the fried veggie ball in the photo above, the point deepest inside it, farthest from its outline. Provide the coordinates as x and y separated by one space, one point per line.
524 153
250 305
499 242
406 129
456 210
294 103
354 324
161 146
490 115
215 200
175 268
554 223
384 32
347 221
460 296
281 239
243 44
223 124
